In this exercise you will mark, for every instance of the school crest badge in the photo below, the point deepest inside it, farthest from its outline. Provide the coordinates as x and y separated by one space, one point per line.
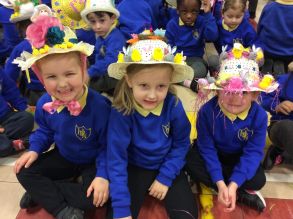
244 134
166 129
82 133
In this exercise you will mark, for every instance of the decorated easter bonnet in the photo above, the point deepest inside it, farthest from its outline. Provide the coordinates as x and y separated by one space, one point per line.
240 71
151 49
68 11
48 36
23 10
99 5
6 3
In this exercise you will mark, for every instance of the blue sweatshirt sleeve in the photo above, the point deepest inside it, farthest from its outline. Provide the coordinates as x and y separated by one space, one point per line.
113 46
171 31
119 136
11 93
175 159
41 139
211 32
252 151
206 144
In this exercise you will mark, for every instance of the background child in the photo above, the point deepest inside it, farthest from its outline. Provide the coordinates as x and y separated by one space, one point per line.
233 27
190 30
276 36
101 16
280 105
72 117
148 135
32 89
231 130
15 126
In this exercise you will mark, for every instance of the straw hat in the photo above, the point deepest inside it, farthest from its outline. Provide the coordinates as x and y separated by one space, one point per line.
48 36
151 50
6 3
23 10
99 5
240 72
173 3
68 11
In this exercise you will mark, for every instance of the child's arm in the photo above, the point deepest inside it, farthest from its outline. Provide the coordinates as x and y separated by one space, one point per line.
175 159
100 189
171 31
112 48
285 107
25 160
209 25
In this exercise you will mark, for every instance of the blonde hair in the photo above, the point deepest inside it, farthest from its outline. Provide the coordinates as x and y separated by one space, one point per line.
234 4
123 99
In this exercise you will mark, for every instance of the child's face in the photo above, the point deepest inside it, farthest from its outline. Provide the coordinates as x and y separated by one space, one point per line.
63 76
150 85
233 17
188 11
235 103
101 25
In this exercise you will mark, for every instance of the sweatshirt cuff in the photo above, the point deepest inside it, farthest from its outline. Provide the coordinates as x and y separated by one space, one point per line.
216 176
102 172
164 179
35 149
119 212
238 178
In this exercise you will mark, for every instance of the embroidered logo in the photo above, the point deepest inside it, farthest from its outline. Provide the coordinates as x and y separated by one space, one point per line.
244 134
166 129
195 34
102 51
82 133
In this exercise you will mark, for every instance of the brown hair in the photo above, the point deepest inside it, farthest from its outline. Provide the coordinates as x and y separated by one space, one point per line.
123 99
234 4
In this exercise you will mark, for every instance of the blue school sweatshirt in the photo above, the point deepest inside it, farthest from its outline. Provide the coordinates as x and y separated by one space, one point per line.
154 141
13 71
191 39
106 52
217 133
80 139
269 101
9 95
244 33
275 29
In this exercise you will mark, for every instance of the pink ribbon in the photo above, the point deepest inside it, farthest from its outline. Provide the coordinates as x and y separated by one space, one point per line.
73 106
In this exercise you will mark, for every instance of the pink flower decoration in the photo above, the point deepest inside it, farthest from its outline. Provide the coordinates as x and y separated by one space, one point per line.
234 84
37 31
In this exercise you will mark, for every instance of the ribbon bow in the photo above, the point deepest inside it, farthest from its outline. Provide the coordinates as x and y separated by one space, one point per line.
73 106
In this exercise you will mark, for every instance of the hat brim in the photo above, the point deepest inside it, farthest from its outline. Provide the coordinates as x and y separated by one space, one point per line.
6 5
22 17
86 11
173 3
181 72
27 59
74 24
269 89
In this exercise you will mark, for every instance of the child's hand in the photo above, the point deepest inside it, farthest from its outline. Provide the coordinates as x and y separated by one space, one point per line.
25 160
285 107
158 190
223 194
206 6
100 186
129 217
232 188
1 129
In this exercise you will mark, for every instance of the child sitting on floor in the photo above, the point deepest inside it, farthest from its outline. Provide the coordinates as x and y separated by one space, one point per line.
70 116
231 130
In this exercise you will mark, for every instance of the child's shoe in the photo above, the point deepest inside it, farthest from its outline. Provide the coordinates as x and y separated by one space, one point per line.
26 201
70 213
252 199
273 157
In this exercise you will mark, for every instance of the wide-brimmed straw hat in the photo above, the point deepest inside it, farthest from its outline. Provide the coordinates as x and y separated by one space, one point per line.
240 72
48 36
22 11
99 5
151 50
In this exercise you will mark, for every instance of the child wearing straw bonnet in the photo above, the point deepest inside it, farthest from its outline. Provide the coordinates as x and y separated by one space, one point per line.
148 133
72 117
231 131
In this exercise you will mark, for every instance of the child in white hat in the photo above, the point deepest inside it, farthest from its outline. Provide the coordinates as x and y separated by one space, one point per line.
148 134
102 17
231 130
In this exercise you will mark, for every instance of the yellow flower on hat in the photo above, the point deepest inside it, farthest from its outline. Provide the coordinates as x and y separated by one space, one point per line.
266 81
158 54
135 56
178 59
120 57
